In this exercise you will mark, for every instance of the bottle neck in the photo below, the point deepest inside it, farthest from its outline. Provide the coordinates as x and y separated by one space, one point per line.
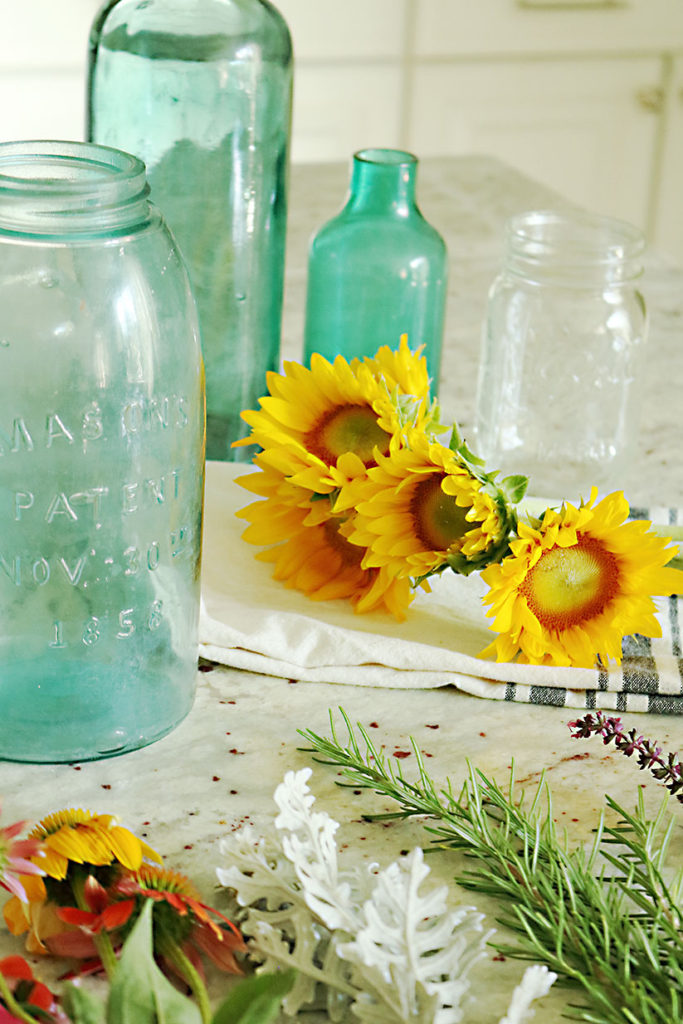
67 189
575 249
383 180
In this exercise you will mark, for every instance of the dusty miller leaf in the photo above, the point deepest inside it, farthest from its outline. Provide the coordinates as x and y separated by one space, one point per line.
535 984
277 920
411 951
310 845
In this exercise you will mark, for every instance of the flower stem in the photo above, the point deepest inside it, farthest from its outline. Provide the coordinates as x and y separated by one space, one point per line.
106 953
102 941
11 1004
182 962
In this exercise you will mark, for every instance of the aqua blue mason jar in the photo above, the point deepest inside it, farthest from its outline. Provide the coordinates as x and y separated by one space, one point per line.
101 458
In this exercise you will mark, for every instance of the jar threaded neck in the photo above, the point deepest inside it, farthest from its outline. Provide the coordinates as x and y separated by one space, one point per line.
53 188
574 248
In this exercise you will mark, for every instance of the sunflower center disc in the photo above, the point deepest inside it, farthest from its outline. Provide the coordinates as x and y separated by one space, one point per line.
438 520
570 585
348 428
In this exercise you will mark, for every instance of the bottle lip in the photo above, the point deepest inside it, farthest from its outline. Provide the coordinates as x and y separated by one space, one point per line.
51 187
386 157
575 241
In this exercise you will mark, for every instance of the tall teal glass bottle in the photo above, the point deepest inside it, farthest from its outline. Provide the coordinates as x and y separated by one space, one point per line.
377 270
201 91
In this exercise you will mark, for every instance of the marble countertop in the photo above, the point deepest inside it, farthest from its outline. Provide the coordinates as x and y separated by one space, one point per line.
219 768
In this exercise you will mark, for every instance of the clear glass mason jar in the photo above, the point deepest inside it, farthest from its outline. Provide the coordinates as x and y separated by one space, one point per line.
562 344
201 91
101 458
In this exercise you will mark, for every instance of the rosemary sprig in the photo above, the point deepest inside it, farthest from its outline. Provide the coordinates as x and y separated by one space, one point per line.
605 919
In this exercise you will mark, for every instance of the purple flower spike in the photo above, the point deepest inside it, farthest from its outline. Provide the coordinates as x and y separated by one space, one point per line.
666 769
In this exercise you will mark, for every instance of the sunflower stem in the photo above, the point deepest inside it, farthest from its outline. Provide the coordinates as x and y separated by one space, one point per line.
189 972
7 997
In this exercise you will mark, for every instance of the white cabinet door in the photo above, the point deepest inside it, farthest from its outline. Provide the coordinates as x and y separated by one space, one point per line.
668 227
585 127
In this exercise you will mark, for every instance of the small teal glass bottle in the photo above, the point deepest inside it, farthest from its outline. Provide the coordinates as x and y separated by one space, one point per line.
201 91
377 270
101 458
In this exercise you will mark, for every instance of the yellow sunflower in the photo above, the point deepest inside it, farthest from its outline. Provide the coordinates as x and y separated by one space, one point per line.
576 583
422 508
85 838
310 549
400 369
322 426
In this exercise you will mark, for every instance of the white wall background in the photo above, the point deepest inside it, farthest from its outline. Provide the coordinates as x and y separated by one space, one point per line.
585 96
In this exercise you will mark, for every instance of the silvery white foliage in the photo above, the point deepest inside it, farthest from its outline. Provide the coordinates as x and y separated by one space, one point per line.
413 951
535 984
308 842
392 954
260 867
277 919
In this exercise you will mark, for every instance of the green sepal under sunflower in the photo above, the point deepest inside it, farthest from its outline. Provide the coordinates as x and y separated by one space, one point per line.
506 494
465 563
496 550
416 412
513 488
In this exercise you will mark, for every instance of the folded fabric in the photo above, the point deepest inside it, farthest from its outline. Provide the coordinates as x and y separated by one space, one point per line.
250 621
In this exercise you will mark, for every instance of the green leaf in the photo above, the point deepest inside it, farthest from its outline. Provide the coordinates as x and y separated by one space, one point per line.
82 1006
139 993
456 440
255 1000
514 487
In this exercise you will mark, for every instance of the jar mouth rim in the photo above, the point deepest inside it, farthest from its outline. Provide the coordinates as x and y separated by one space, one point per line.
386 157
573 237
102 162
48 187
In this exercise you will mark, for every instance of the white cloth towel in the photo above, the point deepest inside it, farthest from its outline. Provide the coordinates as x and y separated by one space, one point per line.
250 621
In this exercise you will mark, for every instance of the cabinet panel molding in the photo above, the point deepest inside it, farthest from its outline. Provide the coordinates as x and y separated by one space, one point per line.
577 126
460 27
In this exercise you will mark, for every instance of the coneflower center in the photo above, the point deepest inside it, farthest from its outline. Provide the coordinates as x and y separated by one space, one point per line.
166 880
348 428
439 521
571 585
